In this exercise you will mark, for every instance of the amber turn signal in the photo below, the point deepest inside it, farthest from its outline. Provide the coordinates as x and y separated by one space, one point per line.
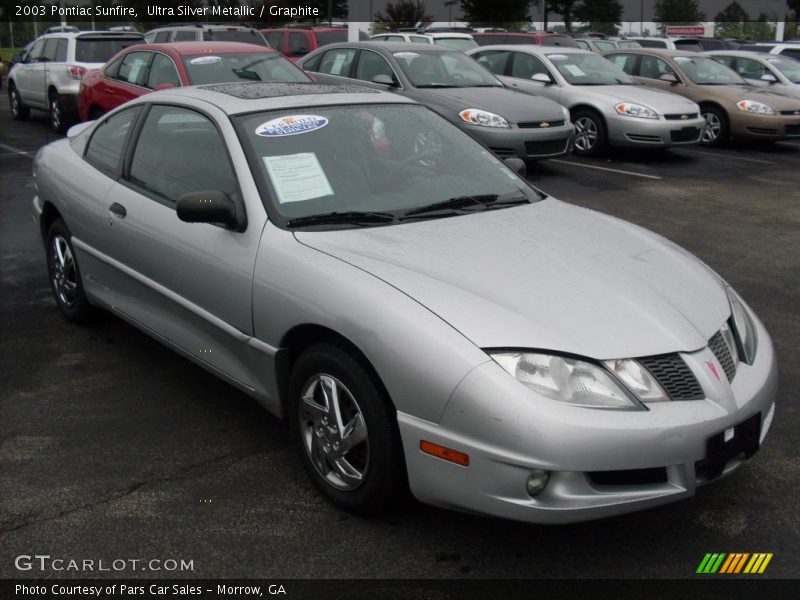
448 454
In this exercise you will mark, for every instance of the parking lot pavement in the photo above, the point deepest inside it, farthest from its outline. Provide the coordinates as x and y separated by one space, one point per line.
114 447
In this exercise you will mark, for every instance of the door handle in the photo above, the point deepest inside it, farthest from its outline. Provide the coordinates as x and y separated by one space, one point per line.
118 210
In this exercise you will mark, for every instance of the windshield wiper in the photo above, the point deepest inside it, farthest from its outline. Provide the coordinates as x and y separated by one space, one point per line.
467 204
350 217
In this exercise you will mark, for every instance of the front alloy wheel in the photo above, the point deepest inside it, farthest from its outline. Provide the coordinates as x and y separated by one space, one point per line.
716 129
65 275
590 132
19 111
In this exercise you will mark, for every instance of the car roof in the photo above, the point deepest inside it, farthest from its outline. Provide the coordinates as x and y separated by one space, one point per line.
533 48
390 47
449 34
657 52
203 26
742 53
247 97
99 33
188 48
315 29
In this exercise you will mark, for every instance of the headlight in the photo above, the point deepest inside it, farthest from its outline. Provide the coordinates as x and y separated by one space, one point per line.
630 109
476 116
566 114
568 380
744 328
755 107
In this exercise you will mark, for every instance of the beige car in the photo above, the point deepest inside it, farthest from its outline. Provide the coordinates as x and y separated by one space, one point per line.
731 106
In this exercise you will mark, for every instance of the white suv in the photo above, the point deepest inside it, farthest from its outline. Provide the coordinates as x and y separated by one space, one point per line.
49 74
205 32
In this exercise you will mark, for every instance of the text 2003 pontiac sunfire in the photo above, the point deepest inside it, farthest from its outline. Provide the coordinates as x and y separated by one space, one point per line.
422 315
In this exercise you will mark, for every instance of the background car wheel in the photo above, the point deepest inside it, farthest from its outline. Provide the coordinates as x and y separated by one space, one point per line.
716 131
591 136
65 276
19 112
58 122
345 428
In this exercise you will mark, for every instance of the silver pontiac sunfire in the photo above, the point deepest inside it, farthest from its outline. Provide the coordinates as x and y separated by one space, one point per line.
423 316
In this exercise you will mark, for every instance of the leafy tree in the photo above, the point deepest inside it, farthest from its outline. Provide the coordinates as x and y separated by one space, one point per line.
760 29
495 13
565 8
405 13
604 16
677 12
729 22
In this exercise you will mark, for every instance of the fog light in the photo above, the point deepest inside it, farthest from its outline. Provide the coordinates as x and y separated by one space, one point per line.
537 481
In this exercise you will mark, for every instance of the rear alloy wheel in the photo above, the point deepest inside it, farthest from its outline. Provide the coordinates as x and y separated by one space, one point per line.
346 429
65 277
57 121
19 112
590 133
716 129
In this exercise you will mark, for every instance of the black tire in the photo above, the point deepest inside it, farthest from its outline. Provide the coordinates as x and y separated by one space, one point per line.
717 131
58 120
19 112
591 133
65 275
379 457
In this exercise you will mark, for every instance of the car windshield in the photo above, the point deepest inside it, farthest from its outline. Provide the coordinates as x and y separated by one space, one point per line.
373 164
256 66
588 69
460 44
788 66
247 36
443 69
707 71
99 50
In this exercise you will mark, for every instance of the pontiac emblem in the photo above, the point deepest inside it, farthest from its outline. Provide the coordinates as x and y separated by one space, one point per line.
544 124
713 368
684 117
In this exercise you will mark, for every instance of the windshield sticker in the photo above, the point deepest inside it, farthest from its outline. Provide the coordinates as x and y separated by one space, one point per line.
557 56
291 125
205 60
575 70
338 62
406 55
297 177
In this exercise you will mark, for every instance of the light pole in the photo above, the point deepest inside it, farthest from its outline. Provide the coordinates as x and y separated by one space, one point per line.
449 5
641 17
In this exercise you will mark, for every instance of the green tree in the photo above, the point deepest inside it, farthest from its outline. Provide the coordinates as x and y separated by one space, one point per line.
677 12
565 8
495 13
730 21
405 13
760 29
604 16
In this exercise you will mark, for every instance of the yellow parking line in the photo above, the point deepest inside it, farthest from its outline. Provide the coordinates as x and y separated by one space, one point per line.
575 164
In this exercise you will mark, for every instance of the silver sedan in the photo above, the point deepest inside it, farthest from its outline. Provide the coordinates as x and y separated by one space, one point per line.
423 317
607 106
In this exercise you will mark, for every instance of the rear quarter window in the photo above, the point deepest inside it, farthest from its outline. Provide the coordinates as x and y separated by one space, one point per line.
99 50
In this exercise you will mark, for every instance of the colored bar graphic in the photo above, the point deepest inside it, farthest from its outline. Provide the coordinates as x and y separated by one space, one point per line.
765 563
717 564
733 563
741 562
703 563
711 562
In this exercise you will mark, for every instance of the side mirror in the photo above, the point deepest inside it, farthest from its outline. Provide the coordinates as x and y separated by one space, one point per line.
384 79
542 78
769 77
208 207
164 86
669 78
517 165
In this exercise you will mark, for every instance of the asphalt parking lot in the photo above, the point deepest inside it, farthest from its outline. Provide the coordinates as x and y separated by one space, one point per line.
113 447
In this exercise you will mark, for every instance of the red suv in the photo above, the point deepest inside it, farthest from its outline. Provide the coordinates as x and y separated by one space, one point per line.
148 67
296 42
491 38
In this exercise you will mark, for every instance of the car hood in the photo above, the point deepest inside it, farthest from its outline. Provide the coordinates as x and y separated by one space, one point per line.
547 275
661 101
734 93
515 106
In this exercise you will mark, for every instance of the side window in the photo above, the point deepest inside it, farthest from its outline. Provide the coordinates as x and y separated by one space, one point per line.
162 37
495 60
582 44
394 38
728 61
626 62
50 50
371 64
134 68
180 151
185 35
106 148
274 39
113 69
653 68
751 69
36 50
418 39
525 66
337 62
61 50
791 53
298 44
162 72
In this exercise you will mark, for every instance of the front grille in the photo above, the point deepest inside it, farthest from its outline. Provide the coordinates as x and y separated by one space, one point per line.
680 116
637 137
538 124
674 376
723 354
687 134
629 476
793 130
546 148
503 152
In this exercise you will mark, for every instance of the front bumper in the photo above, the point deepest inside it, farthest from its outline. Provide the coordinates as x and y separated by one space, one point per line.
764 127
653 133
527 144
648 457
